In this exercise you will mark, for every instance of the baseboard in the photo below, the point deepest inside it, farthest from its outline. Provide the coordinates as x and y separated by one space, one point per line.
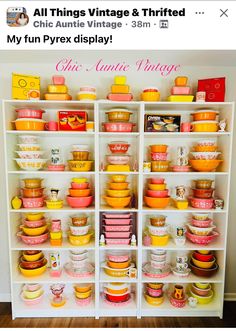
230 296
6 297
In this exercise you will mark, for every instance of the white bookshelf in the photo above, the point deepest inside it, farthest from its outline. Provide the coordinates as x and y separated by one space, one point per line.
97 140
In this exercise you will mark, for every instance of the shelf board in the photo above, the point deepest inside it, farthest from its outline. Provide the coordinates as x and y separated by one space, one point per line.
218 245
104 278
185 134
171 209
189 173
45 278
106 309
171 278
53 104
51 133
65 209
128 134
166 309
44 308
119 247
118 172
104 208
45 172
18 245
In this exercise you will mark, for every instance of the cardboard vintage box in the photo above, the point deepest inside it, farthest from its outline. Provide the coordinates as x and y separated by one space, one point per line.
72 120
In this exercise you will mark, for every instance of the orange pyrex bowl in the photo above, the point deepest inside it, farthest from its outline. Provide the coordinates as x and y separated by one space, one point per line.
159 148
27 124
156 202
205 165
204 115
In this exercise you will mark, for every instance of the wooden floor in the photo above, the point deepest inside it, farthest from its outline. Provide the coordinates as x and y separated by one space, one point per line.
229 320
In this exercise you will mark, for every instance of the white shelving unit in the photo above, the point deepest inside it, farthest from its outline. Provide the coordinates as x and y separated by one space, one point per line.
97 140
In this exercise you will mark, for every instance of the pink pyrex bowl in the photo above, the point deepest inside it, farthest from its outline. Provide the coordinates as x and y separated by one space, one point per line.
33 240
118 256
31 302
30 113
202 224
118 127
157 180
201 240
159 156
154 292
118 159
34 224
201 203
79 202
157 194
117 221
80 186
33 202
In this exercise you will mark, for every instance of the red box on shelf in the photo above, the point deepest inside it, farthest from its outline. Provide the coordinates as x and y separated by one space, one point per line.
214 88
72 120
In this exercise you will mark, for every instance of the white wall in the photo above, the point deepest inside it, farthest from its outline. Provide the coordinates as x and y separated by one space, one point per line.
196 65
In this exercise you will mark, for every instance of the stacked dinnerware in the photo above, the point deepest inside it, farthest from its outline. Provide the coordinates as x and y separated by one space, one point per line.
119 90
117 293
118 264
80 160
79 264
83 294
202 194
32 294
154 294
87 93
157 195
58 90
118 195
32 263
29 119
32 193
180 91
203 263
158 231
80 194
157 266
118 160
202 292
118 121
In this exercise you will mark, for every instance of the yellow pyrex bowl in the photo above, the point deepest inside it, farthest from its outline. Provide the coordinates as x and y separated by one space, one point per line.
34 216
33 257
79 180
150 96
203 300
202 286
80 165
118 193
83 295
32 294
33 272
205 126
34 231
118 178
55 235
159 240
116 272
54 204
82 288
117 202
180 204
155 301
80 240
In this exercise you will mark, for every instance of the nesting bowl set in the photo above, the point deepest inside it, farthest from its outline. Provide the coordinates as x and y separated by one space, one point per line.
203 264
118 121
117 293
118 264
205 120
32 294
159 162
157 194
30 155
80 193
80 232
32 193
157 266
118 160
83 293
154 294
158 230
202 292
202 194
118 195
32 263
80 162
29 119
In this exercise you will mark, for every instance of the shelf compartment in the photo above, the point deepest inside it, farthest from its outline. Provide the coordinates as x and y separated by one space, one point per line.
51 134
65 209
108 310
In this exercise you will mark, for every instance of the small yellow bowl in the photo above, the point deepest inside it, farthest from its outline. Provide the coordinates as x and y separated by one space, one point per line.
150 96
34 231
33 258
202 286
34 216
34 272
155 286
86 96
203 300
159 240
204 252
180 204
157 187
118 178
203 264
54 204
80 240
118 193
79 180
56 235
155 301
82 288
83 295
32 294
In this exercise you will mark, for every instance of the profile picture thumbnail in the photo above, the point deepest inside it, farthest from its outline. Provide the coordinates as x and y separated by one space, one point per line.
17 17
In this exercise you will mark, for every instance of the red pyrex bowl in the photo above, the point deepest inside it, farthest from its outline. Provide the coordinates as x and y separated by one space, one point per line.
118 147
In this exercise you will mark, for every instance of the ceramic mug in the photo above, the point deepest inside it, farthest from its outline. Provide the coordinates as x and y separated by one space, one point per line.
181 266
51 126
56 225
186 127
181 259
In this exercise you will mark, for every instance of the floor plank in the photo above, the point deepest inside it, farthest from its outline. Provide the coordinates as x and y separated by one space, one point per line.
229 320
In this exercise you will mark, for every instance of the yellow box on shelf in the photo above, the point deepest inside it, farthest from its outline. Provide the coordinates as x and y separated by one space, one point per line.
180 98
118 167
57 89
120 88
25 87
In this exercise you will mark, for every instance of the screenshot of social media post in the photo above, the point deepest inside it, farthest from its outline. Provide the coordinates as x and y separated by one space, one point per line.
117 172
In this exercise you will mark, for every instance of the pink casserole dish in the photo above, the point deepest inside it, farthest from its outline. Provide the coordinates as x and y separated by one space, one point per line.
33 240
120 96
33 202
118 127
30 113
117 241
118 221
115 235
159 156
181 90
119 228
201 203
121 215
202 224
118 256
201 240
